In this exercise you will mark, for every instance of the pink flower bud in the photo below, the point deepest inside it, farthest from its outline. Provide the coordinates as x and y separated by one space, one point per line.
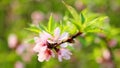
57 16
20 49
37 17
101 35
79 5
12 40
27 57
18 64
99 60
106 54
112 43
97 40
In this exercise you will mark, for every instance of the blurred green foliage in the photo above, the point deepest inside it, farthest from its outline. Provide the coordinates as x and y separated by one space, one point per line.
16 15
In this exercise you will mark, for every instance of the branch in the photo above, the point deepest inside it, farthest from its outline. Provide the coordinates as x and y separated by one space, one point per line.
70 40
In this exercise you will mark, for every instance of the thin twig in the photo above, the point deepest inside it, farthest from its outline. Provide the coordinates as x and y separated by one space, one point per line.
70 40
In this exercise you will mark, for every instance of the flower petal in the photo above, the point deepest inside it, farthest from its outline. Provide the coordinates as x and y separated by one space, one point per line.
41 57
64 45
66 56
39 47
64 36
44 36
47 57
57 33
52 53
47 34
36 48
50 41
64 53
60 58
37 39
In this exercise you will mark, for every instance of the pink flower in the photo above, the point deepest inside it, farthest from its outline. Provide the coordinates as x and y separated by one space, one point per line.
24 51
18 64
57 38
79 5
64 54
20 49
40 47
44 53
41 42
44 48
57 16
12 41
112 42
37 17
106 54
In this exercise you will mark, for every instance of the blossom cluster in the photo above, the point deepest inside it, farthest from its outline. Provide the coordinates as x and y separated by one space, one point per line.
23 49
48 45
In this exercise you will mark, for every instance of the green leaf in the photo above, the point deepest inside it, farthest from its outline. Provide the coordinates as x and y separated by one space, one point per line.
82 41
95 30
68 26
50 23
61 26
33 28
42 27
98 20
95 25
82 18
71 48
30 41
88 15
76 24
97 53
73 13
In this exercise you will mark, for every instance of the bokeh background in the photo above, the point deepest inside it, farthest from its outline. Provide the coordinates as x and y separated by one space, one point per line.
94 51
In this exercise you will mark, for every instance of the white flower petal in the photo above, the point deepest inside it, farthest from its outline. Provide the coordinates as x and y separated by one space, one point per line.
64 53
66 56
64 45
44 36
39 47
70 44
64 36
67 51
57 32
47 34
50 41
52 53
60 58
43 48
37 39
48 57
36 48
41 57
